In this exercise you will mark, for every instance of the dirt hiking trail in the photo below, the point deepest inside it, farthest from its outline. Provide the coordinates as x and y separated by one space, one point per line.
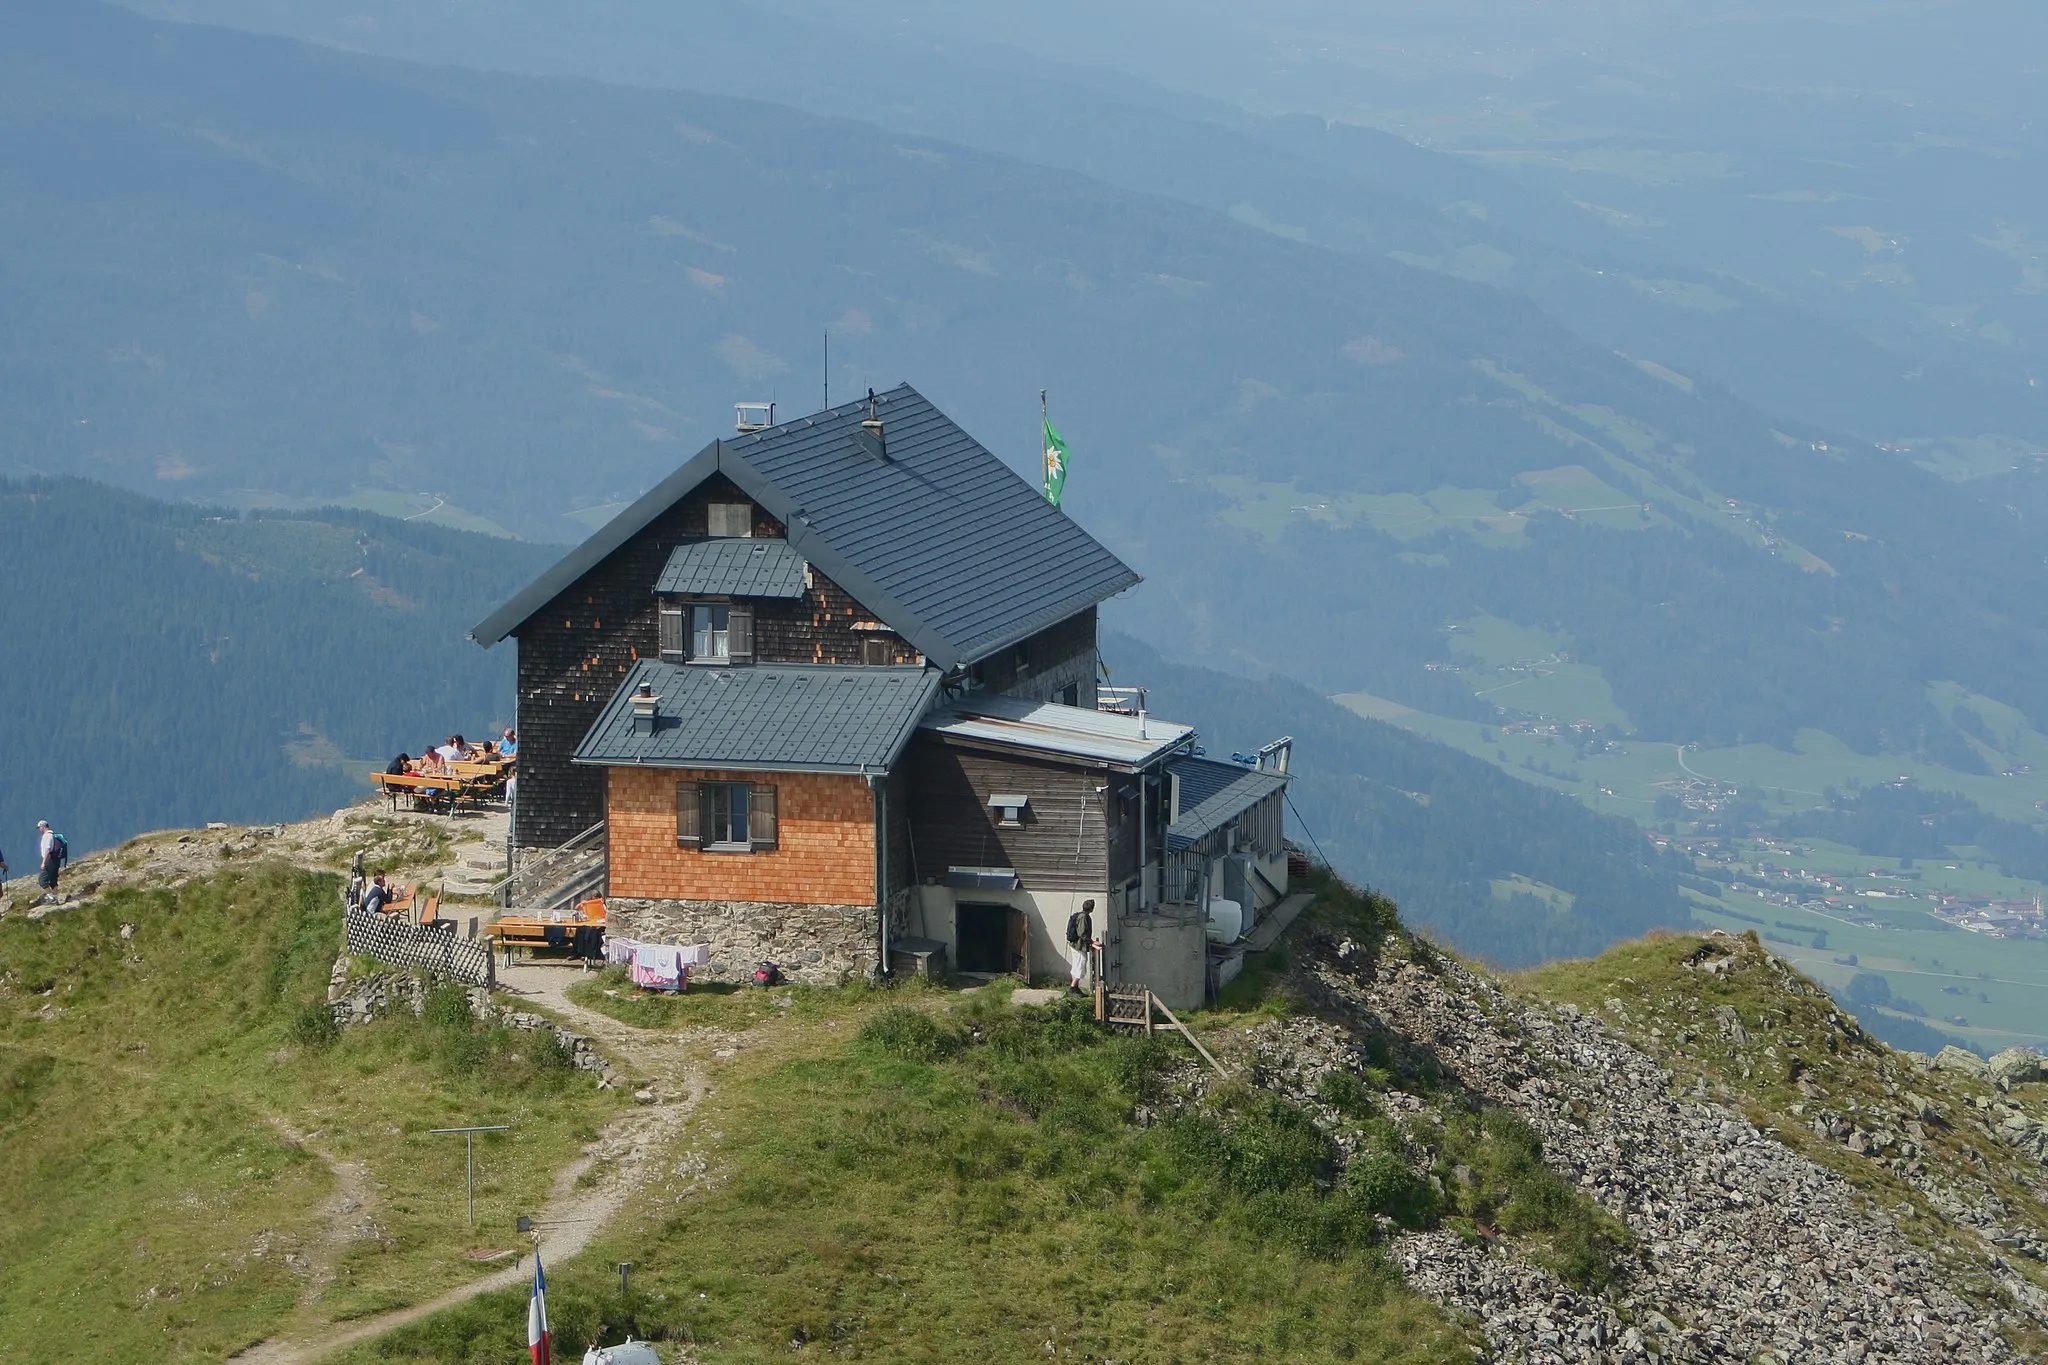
625 1156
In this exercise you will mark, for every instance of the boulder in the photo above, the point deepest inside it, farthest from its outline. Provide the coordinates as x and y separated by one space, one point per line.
1953 1058
2016 1066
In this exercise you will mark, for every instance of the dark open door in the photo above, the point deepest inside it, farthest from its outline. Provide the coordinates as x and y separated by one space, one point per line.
1020 945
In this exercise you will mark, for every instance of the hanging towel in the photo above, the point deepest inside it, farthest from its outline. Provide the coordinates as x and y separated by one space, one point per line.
620 950
697 955
659 966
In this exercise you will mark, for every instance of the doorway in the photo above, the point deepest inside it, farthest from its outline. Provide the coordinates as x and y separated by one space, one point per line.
990 938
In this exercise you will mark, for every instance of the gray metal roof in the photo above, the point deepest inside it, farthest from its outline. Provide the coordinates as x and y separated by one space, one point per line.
766 718
1212 794
734 568
932 533
1063 731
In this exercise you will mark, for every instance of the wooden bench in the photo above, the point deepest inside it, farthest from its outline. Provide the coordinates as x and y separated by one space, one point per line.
452 789
417 906
580 932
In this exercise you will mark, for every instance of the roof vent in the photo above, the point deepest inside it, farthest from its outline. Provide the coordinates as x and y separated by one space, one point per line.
753 416
645 708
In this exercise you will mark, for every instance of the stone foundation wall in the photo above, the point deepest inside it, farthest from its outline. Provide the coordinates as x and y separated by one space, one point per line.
816 945
360 999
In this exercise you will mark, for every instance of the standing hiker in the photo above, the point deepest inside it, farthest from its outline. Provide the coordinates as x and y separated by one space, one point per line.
1081 942
52 853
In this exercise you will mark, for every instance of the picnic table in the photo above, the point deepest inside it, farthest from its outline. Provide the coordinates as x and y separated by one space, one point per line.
452 790
419 906
579 932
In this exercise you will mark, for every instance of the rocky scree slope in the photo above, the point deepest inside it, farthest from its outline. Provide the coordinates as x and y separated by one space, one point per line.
1747 1237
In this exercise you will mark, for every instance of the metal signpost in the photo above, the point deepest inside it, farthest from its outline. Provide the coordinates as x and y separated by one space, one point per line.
469 1155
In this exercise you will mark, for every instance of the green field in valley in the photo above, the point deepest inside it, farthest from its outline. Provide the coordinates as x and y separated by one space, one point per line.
1561 728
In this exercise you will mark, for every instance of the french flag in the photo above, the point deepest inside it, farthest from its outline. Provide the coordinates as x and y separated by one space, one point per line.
537 1315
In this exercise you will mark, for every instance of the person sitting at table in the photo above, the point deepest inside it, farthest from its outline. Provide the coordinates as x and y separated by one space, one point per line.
378 896
399 767
508 747
431 764
452 751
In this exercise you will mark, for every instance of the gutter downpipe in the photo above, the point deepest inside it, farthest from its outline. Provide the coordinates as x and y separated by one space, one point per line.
878 782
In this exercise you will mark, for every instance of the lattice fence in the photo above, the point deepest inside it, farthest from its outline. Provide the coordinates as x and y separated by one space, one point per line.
390 939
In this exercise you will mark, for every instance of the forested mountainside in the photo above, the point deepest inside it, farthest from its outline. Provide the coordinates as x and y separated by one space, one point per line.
174 664
1503 870
1647 287
245 267
182 664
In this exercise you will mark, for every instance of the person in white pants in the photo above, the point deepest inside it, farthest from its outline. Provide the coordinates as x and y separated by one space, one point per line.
1081 943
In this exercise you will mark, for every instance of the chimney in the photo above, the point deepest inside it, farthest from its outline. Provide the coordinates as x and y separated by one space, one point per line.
644 709
871 430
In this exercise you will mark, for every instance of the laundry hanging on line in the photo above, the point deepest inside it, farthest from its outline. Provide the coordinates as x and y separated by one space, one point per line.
665 967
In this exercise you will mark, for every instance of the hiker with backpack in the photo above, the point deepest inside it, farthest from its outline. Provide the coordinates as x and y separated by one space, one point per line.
1081 944
54 853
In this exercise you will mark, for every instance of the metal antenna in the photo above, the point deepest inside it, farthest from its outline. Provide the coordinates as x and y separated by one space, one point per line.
828 367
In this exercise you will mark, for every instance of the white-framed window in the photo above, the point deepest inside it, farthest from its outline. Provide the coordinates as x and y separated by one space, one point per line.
719 632
710 631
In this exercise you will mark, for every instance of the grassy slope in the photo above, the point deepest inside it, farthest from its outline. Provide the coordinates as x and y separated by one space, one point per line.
154 1206
918 1175
921 1211
1666 1008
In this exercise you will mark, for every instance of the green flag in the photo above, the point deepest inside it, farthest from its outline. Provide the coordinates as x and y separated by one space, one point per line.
1055 464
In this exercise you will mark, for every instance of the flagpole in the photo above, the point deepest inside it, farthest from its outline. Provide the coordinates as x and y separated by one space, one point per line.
1044 425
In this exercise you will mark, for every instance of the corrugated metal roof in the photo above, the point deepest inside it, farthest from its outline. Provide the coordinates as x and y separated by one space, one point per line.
1212 794
767 718
933 533
1067 731
761 567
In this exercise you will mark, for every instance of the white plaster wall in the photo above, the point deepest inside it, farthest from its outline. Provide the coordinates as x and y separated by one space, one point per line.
1172 959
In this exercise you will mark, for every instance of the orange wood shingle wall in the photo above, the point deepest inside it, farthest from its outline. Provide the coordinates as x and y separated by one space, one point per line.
827 838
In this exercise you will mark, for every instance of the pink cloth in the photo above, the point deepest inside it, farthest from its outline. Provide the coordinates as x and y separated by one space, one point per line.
657 966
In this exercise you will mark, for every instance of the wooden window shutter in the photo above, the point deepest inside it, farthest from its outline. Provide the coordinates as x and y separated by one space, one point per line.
675 640
689 815
739 646
763 828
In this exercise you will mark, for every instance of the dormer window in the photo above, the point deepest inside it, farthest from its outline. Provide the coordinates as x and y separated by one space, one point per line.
707 632
731 520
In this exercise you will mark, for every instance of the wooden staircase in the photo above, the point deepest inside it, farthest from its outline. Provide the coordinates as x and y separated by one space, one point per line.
560 878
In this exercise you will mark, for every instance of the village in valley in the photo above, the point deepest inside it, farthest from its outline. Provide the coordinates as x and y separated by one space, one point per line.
1960 940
